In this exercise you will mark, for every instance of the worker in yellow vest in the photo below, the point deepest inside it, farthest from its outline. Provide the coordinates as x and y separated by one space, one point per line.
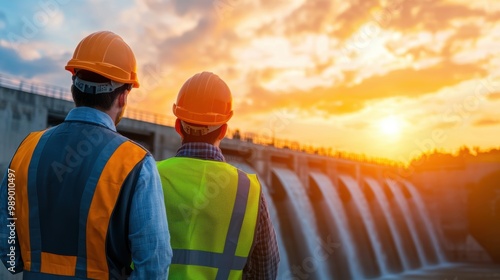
83 201
218 219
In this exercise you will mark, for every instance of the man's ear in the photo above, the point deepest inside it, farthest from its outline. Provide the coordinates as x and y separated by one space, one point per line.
223 130
178 127
122 98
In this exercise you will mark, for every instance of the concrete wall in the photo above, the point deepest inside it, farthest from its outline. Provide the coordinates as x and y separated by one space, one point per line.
22 112
447 194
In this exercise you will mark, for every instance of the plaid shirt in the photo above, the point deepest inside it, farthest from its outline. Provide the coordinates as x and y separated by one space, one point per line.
264 256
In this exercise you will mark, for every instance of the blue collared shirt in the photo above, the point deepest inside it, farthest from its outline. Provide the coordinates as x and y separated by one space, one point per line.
148 228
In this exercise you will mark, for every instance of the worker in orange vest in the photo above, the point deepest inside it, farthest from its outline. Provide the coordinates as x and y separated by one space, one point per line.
83 201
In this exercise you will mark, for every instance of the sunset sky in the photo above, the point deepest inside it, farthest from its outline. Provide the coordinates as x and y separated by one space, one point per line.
385 78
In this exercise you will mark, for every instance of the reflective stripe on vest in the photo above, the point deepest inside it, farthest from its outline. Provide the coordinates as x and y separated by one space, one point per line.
99 197
222 261
227 260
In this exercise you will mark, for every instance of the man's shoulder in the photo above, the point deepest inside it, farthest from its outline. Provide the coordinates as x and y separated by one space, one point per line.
137 145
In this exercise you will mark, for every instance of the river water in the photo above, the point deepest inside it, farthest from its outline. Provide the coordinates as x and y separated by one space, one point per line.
453 271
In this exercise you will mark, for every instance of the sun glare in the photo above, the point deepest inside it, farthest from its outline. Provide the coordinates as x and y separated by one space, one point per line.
390 126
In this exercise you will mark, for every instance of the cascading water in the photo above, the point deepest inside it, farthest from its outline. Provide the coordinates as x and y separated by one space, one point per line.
423 213
362 205
302 223
403 205
336 210
396 235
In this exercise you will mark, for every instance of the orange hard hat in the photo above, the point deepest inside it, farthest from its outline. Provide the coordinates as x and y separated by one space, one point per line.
204 99
106 54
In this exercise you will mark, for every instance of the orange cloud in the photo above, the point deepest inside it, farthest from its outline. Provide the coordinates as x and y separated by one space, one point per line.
486 122
353 17
433 15
342 99
494 96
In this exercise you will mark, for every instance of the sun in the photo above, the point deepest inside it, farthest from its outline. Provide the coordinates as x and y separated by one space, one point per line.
390 126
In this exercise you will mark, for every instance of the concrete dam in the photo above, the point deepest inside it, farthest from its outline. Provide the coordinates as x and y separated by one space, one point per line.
335 217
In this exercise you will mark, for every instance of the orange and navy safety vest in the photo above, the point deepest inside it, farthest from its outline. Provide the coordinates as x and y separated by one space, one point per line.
212 210
74 184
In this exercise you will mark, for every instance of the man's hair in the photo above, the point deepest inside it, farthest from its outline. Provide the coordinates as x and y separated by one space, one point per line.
101 101
209 138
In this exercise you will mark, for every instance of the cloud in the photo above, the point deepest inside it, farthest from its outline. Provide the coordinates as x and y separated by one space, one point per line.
455 42
338 19
342 99
342 20
444 126
307 19
214 44
3 20
189 45
182 37
441 34
494 96
184 6
357 14
469 32
198 49
12 63
486 122
432 15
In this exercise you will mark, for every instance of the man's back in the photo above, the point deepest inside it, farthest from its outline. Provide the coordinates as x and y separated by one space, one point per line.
213 206
213 210
78 185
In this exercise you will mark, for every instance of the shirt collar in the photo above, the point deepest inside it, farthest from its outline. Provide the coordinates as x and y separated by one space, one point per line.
91 115
200 150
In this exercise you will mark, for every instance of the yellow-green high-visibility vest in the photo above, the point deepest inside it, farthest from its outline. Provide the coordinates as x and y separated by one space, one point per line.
212 210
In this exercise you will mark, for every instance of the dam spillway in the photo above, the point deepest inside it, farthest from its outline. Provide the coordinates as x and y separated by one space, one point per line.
335 218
